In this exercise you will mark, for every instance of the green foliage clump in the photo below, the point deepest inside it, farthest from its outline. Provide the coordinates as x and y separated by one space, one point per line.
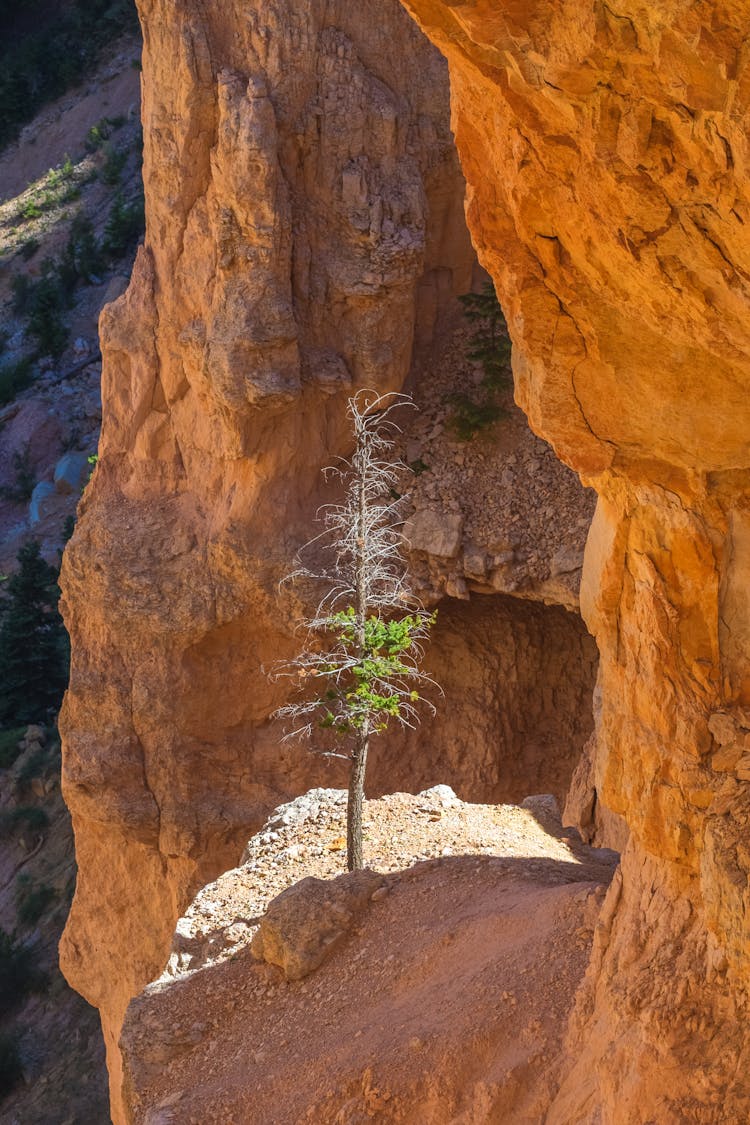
19 974
489 346
124 227
369 690
29 818
11 1070
9 751
31 210
32 899
42 64
14 378
25 477
33 643
58 176
100 133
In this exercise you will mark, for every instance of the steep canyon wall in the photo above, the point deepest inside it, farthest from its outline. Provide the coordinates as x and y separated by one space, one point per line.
606 153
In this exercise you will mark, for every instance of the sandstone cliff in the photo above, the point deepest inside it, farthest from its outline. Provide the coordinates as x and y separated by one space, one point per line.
605 153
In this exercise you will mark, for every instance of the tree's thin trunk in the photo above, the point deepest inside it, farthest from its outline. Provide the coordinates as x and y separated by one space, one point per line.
354 846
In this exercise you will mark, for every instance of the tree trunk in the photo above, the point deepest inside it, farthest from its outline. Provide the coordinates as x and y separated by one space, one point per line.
354 847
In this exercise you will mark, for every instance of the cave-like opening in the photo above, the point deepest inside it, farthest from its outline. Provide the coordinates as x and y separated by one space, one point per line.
518 679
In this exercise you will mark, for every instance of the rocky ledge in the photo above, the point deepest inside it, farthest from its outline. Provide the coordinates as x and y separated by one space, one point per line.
435 986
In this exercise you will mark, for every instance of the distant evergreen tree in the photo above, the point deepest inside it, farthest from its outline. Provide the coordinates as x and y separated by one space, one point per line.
489 345
33 641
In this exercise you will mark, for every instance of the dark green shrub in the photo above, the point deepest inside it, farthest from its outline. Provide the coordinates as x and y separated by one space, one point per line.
24 818
32 899
490 344
114 162
45 324
468 416
19 974
11 1071
25 478
33 643
81 259
14 378
101 132
9 751
22 288
29 248
124 226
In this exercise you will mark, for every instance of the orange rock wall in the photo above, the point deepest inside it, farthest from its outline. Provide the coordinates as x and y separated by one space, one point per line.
606 153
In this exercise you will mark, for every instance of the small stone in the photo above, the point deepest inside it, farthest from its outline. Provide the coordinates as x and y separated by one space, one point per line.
41 499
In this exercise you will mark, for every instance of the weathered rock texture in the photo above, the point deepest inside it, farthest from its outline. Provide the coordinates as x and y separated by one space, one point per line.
306 234
606 154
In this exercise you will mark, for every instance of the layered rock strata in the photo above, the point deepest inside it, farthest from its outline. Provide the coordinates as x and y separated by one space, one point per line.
305 235
606 150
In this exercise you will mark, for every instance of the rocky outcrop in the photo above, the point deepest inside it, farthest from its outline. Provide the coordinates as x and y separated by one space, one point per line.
443 999
605 153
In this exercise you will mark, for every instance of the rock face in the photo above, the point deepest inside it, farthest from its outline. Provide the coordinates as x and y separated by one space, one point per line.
605 153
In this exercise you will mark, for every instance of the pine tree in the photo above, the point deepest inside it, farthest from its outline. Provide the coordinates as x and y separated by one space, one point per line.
361 667
33 641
